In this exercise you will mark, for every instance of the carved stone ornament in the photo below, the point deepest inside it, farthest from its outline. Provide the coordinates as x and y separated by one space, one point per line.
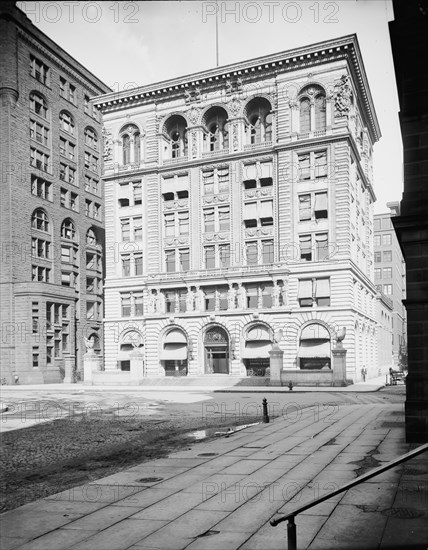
235 137
194 145
108 145
192 94
234 106
342 96
216 335
194 115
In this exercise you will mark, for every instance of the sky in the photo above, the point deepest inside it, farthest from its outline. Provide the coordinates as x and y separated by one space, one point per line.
128 44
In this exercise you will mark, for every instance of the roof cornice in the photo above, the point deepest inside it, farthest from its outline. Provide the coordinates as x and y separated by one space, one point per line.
345 47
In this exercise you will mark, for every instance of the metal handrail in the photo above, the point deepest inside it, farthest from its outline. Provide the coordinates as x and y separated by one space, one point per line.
291 527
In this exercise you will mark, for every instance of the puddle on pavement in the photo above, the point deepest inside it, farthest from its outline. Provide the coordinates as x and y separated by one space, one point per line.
217 432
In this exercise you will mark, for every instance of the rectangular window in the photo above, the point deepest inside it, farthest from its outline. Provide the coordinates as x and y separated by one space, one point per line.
138 302
322 291
209 222
210 299
321 244
387 272
138 262
387 289
386 240
209 257
304 207
378 257
125 228
170 301
305 293
41 188
170 261
208 182
126 305
224 255
169 225
39 70
267 289
86 104
224 218
183 223
267 252
387 256
304 166
377 273
35 357
72 93
184 259
252 296
320 206
138 229
35 317
321 164
62 87
137 193
305 243
252 253
376 240
126 265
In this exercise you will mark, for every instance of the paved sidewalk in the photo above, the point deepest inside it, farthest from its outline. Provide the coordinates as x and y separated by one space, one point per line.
372 384
221 494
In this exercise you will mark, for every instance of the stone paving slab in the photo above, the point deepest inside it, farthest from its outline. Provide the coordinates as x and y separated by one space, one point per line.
225 500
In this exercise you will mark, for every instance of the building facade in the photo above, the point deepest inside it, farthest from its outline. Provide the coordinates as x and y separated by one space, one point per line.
52 227
239 212
390 277
409 37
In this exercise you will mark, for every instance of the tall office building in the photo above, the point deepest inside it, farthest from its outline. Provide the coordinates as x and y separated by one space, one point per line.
390 277
52 228
239 212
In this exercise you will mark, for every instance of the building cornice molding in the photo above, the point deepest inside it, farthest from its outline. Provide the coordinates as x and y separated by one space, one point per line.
345 47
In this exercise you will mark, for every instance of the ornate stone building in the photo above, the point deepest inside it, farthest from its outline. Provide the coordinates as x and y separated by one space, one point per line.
238 211
52 229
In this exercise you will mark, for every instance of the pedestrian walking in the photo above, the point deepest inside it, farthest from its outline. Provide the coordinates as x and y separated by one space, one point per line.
363 373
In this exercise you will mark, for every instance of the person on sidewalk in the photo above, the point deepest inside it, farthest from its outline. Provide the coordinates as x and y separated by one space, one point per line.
363 373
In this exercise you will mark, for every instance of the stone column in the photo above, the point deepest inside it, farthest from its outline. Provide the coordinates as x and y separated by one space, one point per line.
137 365
276 363
70 369
91 362
339 365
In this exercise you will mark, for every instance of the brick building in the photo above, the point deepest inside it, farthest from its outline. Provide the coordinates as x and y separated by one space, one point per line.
390 277
239 211
52 229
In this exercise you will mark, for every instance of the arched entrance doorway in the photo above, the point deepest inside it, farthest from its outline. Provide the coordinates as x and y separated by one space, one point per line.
216 345
129 341
258 343
174 353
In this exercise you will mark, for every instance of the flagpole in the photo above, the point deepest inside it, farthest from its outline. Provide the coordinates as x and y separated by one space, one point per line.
216 33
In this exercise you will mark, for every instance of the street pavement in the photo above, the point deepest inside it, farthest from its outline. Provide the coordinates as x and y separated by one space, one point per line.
221 494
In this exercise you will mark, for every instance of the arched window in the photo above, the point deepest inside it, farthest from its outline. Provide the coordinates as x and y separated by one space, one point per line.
126 149
68 230
91 238
137 147
91 138
38 105
176 131
258 114
216 129
320 112
40 221
312 109
305 116
315 347
66 122
131 144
